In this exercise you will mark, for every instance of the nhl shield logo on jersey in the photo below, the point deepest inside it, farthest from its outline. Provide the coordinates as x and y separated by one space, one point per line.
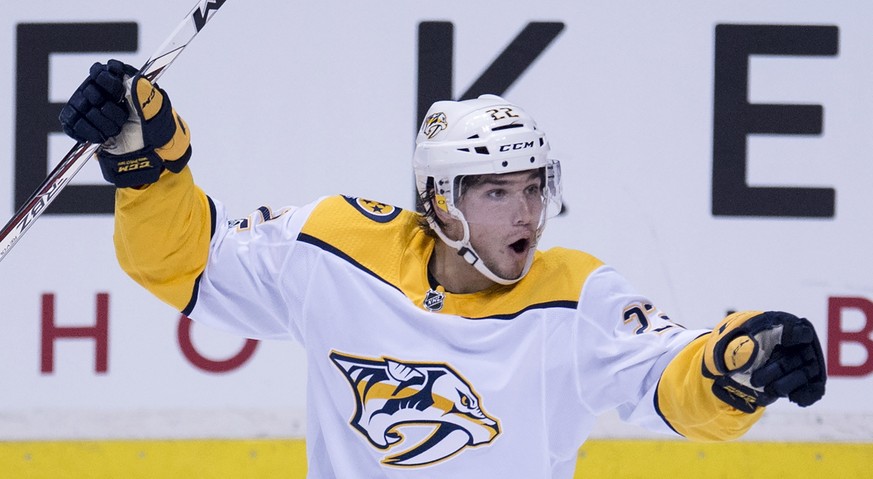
420 413
434 300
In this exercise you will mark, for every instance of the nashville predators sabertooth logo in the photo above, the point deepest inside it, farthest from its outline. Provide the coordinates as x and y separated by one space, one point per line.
428 404
434 124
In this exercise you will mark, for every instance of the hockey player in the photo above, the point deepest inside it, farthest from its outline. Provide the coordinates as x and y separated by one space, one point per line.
440 344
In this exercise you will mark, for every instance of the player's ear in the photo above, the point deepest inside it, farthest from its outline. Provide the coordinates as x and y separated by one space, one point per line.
449 225
438 203
448 221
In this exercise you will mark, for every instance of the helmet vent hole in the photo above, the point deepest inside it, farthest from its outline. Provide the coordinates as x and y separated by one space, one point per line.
506 127
482 150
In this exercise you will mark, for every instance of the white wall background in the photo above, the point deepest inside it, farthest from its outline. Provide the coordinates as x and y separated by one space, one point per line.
289 101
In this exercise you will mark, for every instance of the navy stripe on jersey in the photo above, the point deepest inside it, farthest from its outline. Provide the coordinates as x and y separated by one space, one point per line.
548 304
196 290
212 216
305 238
658 410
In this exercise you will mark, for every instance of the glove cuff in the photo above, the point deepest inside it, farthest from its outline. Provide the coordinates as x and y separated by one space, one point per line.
138 168
738 396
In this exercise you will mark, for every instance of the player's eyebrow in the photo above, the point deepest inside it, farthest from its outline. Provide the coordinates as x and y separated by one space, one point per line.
500 180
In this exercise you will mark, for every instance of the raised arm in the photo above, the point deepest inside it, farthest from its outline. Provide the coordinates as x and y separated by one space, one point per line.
162 220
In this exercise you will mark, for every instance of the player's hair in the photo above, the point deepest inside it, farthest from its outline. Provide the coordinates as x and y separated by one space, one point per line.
429 194
426 197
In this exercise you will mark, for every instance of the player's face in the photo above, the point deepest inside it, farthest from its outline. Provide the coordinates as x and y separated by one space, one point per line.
504 213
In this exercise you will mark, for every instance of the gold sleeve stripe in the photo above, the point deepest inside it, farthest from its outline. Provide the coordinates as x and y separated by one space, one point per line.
162 234
685 401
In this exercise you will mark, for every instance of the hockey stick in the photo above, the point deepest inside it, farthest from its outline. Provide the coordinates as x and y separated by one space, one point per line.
81 152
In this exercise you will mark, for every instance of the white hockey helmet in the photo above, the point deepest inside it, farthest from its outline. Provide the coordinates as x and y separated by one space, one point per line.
484 136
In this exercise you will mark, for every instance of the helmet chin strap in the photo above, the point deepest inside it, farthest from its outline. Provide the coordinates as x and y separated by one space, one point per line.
466 251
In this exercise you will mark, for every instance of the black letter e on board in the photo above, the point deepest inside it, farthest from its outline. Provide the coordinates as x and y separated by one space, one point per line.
735 118
36 116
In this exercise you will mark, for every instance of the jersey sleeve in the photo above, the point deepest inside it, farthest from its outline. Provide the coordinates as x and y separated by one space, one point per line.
162 235
633 358
232 274
253 284
687 403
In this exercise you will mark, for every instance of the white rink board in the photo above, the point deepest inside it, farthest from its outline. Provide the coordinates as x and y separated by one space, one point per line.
289 101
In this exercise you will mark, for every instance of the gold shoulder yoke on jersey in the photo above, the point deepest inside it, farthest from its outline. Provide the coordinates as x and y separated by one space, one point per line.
387 242
554 280
371 235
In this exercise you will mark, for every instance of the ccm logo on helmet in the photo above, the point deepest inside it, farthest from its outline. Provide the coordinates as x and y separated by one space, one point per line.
517 146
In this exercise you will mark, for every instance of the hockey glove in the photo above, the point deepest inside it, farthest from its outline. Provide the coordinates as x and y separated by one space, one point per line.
756 358
140 133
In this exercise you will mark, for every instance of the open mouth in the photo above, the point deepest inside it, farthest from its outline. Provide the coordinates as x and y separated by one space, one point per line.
520 246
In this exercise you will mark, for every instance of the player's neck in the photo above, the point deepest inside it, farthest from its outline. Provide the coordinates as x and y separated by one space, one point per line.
454 273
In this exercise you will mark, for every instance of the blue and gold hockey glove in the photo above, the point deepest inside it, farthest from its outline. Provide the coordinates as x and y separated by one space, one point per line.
140 133
756 358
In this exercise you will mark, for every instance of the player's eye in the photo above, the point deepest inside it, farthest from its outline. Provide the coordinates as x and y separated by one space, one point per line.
497 193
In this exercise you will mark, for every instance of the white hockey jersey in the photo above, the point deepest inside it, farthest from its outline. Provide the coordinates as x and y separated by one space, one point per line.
406 380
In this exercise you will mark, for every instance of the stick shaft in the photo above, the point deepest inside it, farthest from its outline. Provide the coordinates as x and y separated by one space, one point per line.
76 158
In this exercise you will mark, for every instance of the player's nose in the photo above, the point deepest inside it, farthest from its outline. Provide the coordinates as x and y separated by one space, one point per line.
524 210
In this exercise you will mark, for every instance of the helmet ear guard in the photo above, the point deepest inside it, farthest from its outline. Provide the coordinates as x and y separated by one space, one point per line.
485 136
